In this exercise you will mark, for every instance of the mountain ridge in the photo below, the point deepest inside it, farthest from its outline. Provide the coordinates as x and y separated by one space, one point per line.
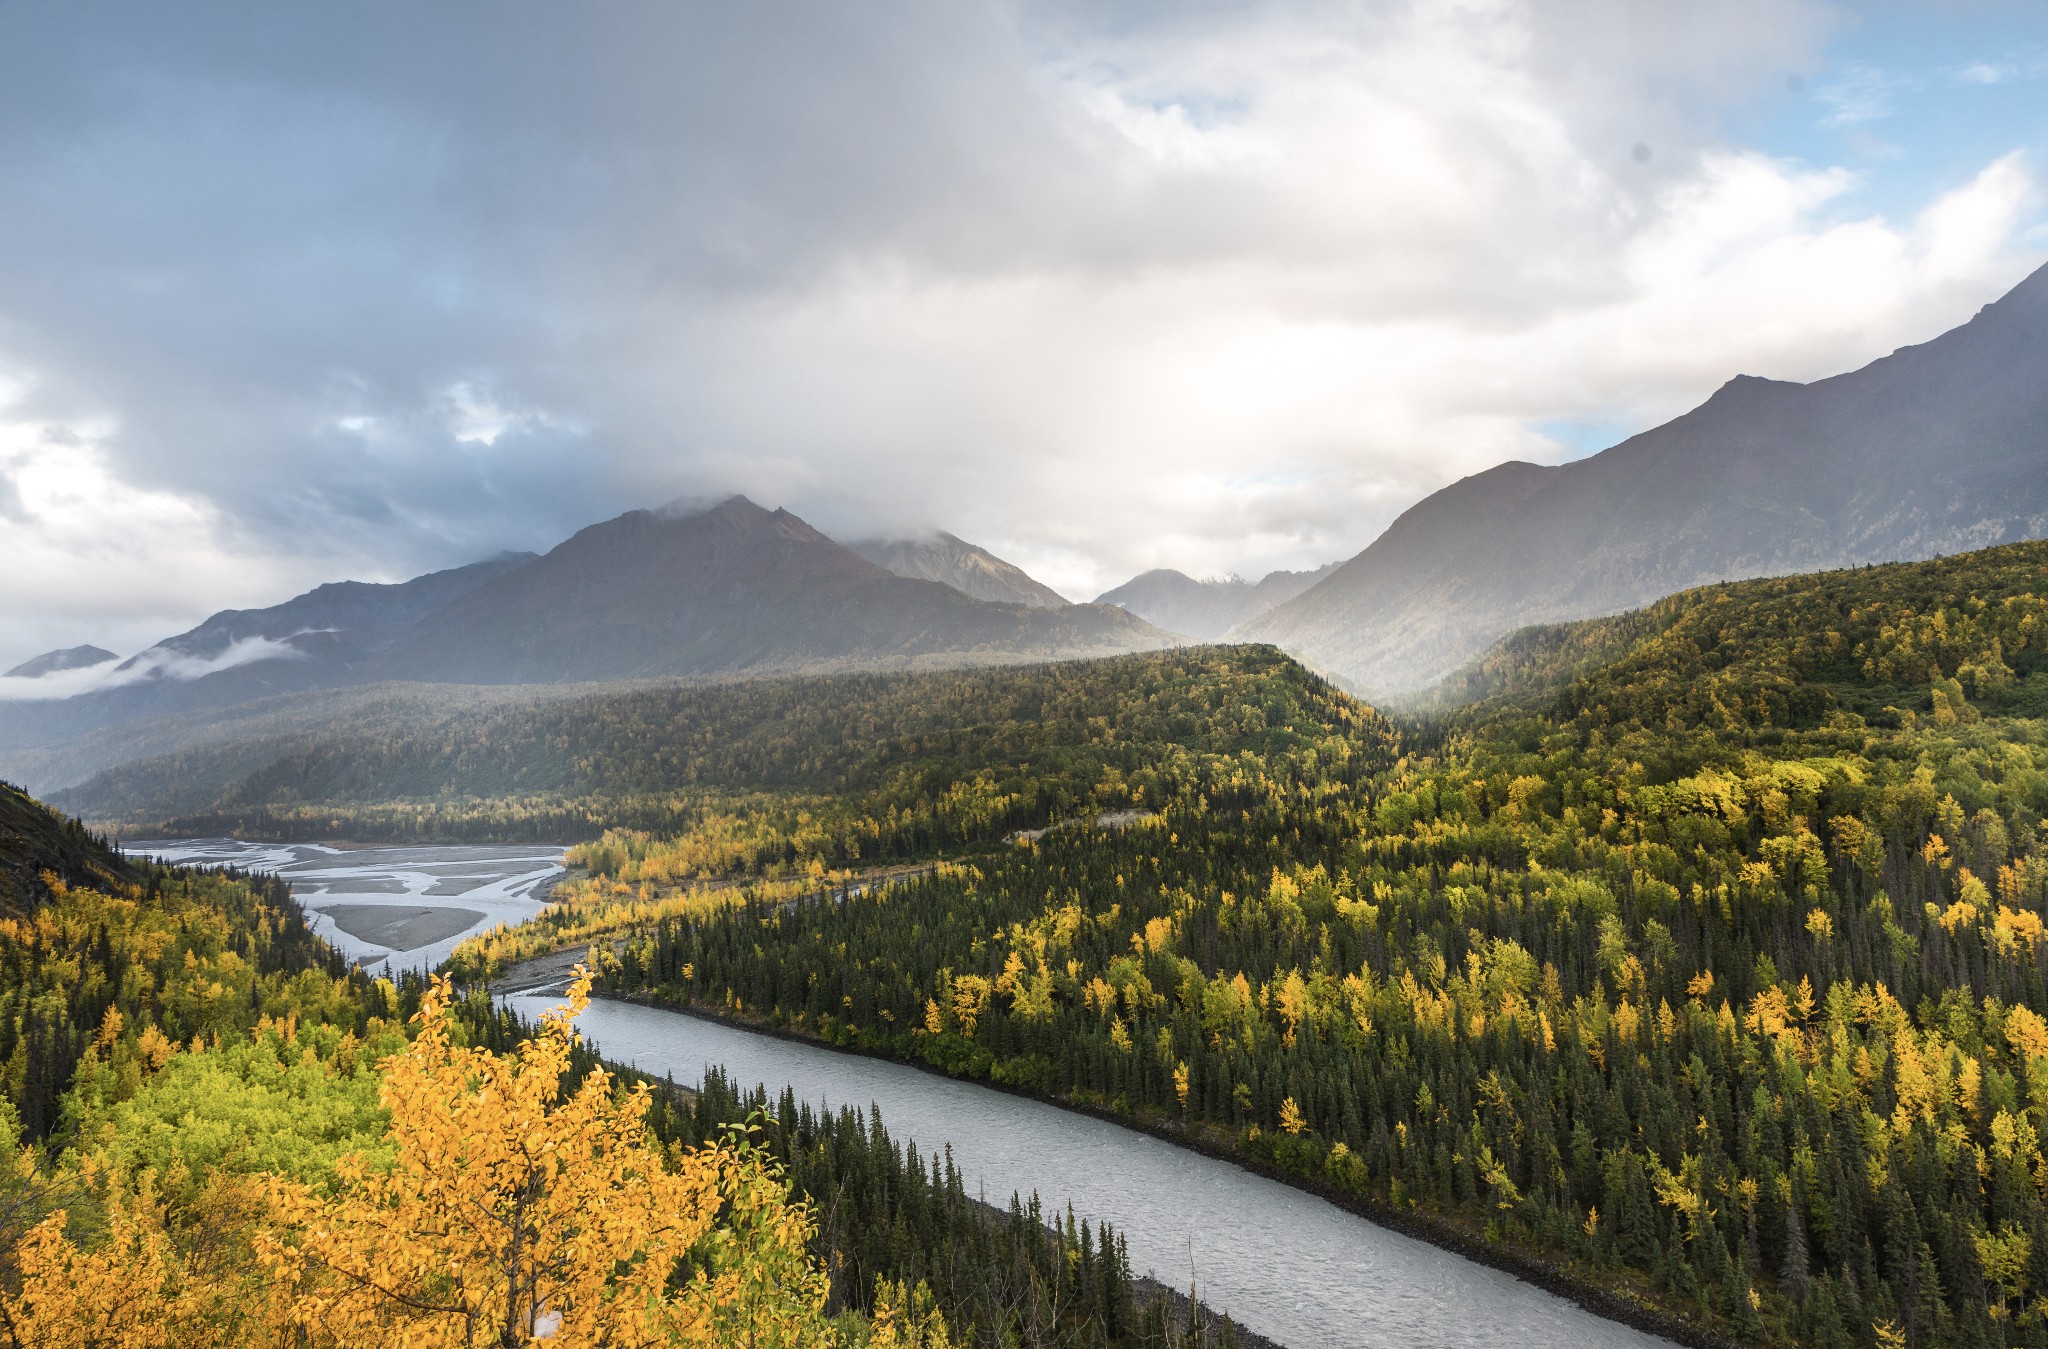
319 639
57 662
1939 447
732 589
968 568
689 589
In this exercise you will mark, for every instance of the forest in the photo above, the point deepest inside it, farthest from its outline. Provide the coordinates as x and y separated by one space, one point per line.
767 773
1699 953
218 1133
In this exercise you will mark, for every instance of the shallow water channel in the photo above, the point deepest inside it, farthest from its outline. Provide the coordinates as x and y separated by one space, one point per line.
1285 1264
388 909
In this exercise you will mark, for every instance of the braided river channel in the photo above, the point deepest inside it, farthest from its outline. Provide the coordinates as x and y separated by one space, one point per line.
1282 1263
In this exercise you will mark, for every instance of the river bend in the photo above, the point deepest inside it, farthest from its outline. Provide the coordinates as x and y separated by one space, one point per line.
1283 1263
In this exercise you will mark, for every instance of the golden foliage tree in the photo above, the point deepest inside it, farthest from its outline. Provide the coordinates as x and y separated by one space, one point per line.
516 1214
127 1292
513 1214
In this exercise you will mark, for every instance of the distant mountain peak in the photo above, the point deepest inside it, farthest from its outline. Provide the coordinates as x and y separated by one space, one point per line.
735 588
1206 608
690 507
55 662
935 555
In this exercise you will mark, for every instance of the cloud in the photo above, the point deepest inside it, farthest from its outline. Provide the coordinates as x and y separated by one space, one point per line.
155 663
293 295
2019 66
89 556
57 683
1863 93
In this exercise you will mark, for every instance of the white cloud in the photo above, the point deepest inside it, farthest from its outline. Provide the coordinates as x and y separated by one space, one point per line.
1862 93
1221 289
156 663
1403 257
2024 66
91 558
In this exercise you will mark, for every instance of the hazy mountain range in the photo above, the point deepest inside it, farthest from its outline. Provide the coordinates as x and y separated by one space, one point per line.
696 591
1936 448
1207 609
736 588
969 569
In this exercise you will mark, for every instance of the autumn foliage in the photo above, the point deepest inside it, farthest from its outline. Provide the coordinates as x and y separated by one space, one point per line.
1703 952
513 1213
510 1213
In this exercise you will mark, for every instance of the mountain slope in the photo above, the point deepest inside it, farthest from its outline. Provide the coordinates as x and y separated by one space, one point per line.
658 756
35 842
1206 609
969 569
1950 640
56 662
1935 449
340 617
732 589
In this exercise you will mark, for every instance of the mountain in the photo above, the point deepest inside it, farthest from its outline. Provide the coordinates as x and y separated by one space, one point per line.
961 565
343 619
1206 609
728 590
55 662
1935 449
320 639
219 744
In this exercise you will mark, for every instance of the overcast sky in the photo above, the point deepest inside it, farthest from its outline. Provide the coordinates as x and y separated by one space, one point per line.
296 293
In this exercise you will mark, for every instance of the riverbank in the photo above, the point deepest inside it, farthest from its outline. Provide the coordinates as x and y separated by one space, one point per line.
1609 1300
1194 1323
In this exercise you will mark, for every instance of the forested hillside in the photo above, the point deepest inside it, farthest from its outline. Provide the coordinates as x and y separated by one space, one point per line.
218 1134
38 848
885 765
1703 955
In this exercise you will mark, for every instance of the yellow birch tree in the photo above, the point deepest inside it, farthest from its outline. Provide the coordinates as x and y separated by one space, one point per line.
516 1215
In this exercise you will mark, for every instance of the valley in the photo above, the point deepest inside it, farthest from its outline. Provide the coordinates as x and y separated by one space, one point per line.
1178 1211
1283 1264
1359 676
1614 964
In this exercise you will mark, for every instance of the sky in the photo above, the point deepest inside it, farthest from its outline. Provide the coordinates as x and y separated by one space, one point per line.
292 294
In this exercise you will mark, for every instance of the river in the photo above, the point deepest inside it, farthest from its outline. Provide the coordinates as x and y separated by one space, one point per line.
1283 1263
1286 1264
388 909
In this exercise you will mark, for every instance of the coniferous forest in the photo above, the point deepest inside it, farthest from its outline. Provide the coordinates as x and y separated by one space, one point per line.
220 1134
1699 950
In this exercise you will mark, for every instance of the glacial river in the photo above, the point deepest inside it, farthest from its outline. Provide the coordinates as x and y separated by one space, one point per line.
1285 1264
388 909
